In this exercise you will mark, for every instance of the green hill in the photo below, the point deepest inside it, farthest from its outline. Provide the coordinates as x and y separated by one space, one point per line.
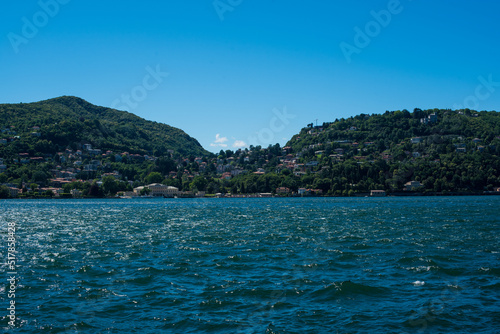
434 152
444 150
53 125
435 127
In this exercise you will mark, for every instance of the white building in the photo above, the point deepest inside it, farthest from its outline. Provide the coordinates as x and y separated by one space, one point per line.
416 140
158 189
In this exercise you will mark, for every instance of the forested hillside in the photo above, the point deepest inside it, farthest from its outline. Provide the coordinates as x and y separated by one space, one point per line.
53 125
424 151
67 143
442 149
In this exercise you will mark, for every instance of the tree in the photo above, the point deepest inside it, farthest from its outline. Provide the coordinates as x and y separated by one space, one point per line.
67 188
199 183
109 185
40 177
145 191
154 177
4 192
95 191
165 165
323 184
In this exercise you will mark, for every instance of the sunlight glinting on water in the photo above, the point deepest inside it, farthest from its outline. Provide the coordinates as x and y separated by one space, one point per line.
247 265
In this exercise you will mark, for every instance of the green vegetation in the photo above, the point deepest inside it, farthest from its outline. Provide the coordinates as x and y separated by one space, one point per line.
4 192
445 150
442 151
51 126
71 148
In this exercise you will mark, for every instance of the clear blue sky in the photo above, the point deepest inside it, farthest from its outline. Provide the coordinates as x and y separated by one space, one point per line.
234 65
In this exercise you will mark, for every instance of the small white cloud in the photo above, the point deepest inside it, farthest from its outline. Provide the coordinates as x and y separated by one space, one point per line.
239 144
219 141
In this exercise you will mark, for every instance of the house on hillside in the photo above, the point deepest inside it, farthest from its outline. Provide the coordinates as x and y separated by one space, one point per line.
377 193
339 150
13 192
282 190
237 171
433 117
416 140
226 176
311 164
260 171
413 185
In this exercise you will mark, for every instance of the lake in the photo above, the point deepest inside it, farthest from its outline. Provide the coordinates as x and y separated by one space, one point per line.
270 265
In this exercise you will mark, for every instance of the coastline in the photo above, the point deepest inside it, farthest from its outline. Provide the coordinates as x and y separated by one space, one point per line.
358 195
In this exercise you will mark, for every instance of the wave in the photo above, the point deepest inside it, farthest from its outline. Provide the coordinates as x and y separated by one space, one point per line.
348 289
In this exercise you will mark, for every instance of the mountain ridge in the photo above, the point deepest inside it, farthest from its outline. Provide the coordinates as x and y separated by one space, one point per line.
68 121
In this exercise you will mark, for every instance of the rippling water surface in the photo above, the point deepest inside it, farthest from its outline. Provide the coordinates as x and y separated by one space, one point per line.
318 265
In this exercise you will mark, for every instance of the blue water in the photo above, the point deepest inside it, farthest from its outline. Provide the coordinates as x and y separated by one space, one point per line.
316 265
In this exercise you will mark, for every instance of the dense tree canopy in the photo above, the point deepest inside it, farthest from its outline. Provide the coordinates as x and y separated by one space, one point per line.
70 121
443 150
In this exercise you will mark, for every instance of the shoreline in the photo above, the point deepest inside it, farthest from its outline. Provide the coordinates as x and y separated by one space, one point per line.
359 195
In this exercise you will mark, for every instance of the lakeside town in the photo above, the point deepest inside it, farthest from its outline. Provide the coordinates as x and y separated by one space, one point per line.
398 153
92 161
89 171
